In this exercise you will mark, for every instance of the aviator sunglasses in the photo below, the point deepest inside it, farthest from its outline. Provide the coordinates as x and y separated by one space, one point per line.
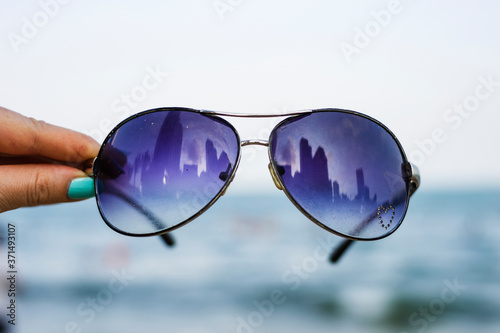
160 169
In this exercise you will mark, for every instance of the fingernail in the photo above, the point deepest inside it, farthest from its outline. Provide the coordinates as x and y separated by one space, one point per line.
81 188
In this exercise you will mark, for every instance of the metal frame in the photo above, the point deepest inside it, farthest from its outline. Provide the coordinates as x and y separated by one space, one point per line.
319 223
201 211
412 171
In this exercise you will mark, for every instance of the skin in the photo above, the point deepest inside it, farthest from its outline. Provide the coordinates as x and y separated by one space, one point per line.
39 160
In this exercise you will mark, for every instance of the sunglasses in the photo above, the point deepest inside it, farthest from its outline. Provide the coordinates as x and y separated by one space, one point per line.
345 171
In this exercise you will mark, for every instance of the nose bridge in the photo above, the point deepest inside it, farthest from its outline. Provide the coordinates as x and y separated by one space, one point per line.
255 142
265 143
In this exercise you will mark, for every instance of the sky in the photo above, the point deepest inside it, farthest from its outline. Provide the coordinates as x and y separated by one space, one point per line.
428 70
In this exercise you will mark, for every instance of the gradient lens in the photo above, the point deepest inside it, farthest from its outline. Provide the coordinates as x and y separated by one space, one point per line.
163 167
344 170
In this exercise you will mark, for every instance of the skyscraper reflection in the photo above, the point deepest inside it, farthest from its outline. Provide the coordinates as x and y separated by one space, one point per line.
161 166
314 176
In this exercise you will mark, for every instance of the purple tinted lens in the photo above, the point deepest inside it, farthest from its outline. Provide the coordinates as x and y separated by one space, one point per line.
161 168
344 170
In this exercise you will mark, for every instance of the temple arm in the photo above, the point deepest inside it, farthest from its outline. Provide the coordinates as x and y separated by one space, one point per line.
344 245
144 211
166 237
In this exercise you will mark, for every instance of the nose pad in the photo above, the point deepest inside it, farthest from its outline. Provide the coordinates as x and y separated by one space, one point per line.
275 177
224 176
224 192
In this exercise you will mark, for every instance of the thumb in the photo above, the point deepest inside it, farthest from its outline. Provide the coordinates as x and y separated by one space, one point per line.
35 184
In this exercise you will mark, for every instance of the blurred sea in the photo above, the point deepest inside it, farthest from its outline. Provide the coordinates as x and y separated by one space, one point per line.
250 264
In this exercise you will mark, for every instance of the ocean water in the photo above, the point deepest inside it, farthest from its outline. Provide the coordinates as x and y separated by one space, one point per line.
255 264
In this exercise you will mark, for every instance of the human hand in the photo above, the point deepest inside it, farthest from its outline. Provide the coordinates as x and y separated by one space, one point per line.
38 161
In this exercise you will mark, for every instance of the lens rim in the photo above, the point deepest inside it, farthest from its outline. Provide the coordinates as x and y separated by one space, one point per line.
407 169
204 208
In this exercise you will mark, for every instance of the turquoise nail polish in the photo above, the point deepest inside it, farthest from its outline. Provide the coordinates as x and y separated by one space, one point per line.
81 188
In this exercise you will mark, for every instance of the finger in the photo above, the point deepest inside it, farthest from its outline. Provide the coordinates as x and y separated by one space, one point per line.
27 136
36 184
15 159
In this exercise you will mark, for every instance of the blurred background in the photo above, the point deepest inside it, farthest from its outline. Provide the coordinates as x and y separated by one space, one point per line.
428 70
